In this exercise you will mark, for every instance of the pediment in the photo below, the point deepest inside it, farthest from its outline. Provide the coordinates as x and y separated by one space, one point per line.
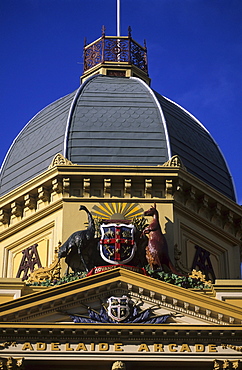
183 306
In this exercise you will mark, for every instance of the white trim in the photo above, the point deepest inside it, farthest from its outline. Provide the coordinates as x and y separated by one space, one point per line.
72 107
11 293
228 295
186 111
71 111
204 128
160 111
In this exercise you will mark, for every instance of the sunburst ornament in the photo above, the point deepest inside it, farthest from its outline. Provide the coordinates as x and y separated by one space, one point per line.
117 211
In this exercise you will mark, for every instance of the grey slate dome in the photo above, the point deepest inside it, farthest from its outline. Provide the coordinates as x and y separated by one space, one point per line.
115 121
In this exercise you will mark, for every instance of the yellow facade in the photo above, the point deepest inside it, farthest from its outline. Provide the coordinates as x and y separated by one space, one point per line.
45 211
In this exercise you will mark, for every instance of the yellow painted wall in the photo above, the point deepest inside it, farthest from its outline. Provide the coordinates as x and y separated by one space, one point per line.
45 231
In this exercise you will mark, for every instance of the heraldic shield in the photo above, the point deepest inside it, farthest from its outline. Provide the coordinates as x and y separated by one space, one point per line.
117 245
118 308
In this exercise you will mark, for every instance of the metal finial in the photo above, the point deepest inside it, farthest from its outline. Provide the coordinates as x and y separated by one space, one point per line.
145 44
85 41
129 31
103 30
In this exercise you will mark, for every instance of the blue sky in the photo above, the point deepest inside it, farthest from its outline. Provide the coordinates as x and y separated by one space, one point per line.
194 56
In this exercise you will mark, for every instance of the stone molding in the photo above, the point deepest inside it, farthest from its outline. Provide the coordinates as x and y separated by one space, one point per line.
53 300
188 194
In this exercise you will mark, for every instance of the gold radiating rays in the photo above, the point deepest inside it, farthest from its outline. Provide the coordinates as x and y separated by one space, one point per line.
117 211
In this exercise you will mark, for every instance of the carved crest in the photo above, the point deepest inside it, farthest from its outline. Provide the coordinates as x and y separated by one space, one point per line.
117 243
60 160
175 161
118 308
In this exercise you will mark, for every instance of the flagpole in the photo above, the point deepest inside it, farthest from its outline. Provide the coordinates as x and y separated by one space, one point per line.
118 18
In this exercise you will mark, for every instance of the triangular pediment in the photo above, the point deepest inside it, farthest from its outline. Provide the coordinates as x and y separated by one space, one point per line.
56 304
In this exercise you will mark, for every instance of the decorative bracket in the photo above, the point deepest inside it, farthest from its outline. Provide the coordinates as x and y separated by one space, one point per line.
86 187
4 216
107 188
148 188
127 188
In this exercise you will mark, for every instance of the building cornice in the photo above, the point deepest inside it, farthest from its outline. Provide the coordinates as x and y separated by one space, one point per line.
177 299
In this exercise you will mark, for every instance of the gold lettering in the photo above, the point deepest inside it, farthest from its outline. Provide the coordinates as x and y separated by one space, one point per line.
55 347
185 348
27 345
158 347
92 346
117 347
41 346
199 347
103 347
68 348
212 348
143 347
81 347
171 347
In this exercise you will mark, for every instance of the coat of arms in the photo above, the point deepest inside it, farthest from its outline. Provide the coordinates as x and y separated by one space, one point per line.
121 310
117 245
118 308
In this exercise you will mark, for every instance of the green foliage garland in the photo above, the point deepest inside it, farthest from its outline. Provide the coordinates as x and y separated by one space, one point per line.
186 282
63 280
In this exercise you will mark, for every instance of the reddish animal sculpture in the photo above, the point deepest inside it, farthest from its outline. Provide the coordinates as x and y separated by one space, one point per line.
157 249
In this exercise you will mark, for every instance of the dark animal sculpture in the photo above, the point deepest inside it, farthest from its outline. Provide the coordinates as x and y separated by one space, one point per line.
73 248
157 249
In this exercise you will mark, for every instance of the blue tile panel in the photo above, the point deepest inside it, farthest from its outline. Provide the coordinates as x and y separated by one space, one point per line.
116 122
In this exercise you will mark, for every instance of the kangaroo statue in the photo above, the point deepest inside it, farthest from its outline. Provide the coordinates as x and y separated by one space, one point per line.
73 248
157 249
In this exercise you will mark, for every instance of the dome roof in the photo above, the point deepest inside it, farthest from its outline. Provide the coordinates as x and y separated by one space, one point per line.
115 121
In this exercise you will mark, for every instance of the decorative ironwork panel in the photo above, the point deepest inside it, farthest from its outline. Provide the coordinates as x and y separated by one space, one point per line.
138 57
115 50
93 55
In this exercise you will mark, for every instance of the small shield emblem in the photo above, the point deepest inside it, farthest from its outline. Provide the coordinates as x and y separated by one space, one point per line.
118 308
117 245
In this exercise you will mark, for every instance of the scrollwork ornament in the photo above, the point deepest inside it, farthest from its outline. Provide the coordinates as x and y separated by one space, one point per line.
11 363
7 345
226 364
118 365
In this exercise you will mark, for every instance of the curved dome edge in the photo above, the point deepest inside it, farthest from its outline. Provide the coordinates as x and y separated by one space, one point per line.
22 158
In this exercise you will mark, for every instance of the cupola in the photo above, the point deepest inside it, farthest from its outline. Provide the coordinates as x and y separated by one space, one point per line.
118 56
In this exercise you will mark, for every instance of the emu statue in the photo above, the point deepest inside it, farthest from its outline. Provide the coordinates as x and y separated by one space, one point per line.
73 248
157 249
